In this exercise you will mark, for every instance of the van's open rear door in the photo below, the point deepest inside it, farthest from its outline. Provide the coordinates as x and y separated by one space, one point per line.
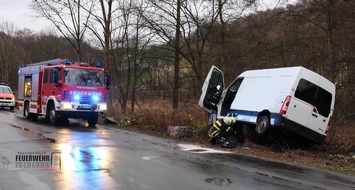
212 89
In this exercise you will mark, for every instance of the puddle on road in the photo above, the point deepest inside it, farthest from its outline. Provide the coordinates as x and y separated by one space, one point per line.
35 133
219 181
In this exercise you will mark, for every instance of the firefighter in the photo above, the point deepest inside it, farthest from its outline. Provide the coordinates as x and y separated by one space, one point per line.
222 132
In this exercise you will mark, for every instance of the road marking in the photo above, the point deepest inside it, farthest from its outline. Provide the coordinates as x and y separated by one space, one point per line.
200 149
148 157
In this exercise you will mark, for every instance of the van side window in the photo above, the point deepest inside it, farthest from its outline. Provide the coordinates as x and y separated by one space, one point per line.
314 95
214 90
216 81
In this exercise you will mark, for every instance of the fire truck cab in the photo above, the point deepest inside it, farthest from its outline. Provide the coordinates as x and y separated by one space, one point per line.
60 89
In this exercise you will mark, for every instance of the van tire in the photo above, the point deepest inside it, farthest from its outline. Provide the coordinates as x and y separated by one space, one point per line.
262 125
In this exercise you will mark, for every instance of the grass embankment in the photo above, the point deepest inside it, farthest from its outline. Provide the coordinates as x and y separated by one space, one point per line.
336 154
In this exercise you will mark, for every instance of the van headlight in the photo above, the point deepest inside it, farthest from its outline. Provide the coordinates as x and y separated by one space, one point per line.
103 107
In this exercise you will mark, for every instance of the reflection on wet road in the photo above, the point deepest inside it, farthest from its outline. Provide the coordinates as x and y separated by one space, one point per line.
86 159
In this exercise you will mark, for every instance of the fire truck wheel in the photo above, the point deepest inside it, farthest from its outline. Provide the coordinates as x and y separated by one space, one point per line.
53 117
93 119
26 111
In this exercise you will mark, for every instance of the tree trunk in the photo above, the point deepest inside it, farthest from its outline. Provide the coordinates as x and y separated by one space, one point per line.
177 59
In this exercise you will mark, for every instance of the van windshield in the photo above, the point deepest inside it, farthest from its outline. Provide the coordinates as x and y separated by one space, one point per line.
5 90
84 77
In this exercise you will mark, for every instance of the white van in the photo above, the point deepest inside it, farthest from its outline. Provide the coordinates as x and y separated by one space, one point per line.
292 98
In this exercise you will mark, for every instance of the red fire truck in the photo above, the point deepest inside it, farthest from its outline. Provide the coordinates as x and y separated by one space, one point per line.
60 89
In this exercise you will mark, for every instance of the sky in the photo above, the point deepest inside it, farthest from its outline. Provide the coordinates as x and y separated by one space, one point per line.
19 13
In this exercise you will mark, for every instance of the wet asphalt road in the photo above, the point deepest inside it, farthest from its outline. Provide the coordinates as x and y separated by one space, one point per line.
107 158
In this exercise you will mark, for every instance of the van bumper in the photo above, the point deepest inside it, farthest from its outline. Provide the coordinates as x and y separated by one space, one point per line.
301 130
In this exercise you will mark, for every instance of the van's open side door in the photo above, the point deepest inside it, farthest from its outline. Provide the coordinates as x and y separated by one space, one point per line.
212 89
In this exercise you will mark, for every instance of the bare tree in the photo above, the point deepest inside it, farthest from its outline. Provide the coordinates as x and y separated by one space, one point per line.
67 17
185 25
8 53
128 50
177 57
326 46
200 17
101 27
165 19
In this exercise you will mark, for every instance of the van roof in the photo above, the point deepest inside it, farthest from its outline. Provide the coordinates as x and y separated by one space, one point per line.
284 71
272 71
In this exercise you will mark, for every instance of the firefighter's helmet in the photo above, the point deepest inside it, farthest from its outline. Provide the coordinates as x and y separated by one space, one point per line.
227 120
234 119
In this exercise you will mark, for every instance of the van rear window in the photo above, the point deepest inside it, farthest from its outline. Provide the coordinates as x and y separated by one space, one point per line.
314 95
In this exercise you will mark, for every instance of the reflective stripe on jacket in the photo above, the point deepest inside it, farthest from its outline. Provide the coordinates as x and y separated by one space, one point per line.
216 129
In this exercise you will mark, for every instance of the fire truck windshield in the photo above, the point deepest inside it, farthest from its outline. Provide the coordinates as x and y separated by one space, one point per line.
84 77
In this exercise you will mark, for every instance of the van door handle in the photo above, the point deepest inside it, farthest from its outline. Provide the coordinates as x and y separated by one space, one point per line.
314 115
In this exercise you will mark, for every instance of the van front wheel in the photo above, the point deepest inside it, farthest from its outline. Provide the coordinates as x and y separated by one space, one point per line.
262 125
